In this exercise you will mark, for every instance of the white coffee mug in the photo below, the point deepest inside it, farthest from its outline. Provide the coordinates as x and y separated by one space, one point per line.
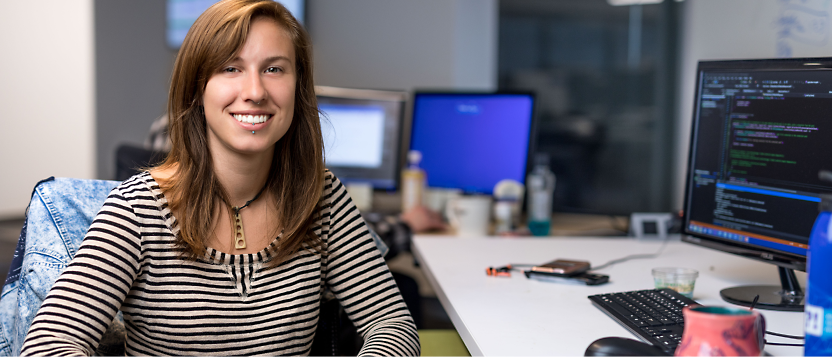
469 215
436 199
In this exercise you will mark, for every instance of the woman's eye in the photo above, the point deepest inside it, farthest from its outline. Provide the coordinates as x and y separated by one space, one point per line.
230 69
274 70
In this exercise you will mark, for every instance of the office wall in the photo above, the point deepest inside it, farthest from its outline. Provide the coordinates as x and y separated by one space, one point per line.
47 96
740 29
358 43
401 44
84 76
133 67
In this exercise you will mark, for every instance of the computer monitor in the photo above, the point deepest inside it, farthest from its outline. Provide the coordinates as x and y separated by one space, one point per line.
761 134
181 14
471 141
362 131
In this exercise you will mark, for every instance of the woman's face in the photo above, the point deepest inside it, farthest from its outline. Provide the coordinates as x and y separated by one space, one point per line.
255 92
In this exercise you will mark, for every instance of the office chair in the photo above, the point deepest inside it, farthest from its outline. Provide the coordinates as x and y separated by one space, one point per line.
130 159
57 219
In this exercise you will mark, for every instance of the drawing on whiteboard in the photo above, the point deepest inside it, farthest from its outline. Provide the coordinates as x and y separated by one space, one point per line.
801 21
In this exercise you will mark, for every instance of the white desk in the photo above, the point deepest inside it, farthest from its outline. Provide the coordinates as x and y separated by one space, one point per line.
497 316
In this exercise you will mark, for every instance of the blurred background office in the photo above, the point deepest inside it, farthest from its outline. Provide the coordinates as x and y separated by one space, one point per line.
613 83
613 79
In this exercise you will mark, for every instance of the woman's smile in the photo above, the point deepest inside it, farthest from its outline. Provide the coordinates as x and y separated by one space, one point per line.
252 119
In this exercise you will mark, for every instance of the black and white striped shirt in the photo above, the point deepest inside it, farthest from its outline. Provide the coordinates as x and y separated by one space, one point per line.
221 304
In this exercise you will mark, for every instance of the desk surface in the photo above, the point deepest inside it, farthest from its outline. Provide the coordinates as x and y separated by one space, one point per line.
517 316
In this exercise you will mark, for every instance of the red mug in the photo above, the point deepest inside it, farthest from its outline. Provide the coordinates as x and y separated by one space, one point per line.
721 331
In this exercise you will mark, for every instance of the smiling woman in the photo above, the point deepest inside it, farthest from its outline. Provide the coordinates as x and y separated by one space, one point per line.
254 93
228 246
231 60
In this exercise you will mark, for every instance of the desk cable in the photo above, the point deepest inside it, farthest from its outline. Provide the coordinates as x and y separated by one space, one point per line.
754 303
631 257
506 270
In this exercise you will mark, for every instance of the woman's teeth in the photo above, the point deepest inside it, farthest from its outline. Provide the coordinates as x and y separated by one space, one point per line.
251 119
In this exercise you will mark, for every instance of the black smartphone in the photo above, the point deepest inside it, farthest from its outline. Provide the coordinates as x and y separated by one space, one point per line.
563 267
579 279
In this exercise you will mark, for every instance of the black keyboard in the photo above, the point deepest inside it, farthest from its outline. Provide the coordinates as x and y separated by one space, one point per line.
655 316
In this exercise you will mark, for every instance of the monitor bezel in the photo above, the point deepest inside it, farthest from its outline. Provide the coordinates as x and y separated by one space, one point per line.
398 96
772 256
532 143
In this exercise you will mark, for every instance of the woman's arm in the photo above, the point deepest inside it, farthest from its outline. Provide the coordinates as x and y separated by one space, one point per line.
359 278
88 294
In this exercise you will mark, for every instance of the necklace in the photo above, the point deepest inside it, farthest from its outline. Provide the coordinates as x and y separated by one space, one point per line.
239 237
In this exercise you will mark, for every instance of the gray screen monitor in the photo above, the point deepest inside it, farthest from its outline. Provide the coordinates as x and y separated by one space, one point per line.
362 131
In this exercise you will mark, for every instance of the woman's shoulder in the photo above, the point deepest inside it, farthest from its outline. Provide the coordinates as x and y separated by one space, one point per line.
330 180
139 187
332 186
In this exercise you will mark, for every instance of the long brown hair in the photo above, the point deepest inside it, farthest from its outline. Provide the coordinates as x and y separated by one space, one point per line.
295 179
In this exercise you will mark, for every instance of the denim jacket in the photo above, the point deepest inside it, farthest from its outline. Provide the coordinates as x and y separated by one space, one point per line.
56 222
57 219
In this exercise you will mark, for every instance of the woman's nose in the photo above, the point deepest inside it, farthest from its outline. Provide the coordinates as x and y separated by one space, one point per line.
253 89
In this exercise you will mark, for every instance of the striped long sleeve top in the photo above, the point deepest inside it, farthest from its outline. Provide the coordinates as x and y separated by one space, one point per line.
221 304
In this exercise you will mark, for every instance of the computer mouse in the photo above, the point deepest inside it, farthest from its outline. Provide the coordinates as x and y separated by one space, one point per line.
619 346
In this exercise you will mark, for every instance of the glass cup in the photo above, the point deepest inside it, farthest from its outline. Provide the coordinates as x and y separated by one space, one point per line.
679 279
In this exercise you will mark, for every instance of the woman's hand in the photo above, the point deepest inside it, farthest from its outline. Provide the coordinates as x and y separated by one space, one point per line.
421 219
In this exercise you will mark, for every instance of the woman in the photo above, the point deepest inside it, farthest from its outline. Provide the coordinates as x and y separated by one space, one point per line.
187 250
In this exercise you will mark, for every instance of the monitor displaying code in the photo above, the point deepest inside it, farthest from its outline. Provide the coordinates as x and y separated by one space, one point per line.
760 139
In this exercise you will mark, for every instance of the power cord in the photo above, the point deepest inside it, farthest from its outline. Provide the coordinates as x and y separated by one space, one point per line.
631 257
514 266
786 336
754 303
783 344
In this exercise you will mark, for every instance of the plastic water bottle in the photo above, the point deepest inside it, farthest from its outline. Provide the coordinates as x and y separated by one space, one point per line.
818 310
541 187
413 181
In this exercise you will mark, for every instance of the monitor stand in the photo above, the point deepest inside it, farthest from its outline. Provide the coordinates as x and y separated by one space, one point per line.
788 297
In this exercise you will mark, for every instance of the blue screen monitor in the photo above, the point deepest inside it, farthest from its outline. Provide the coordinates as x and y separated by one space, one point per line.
471 141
